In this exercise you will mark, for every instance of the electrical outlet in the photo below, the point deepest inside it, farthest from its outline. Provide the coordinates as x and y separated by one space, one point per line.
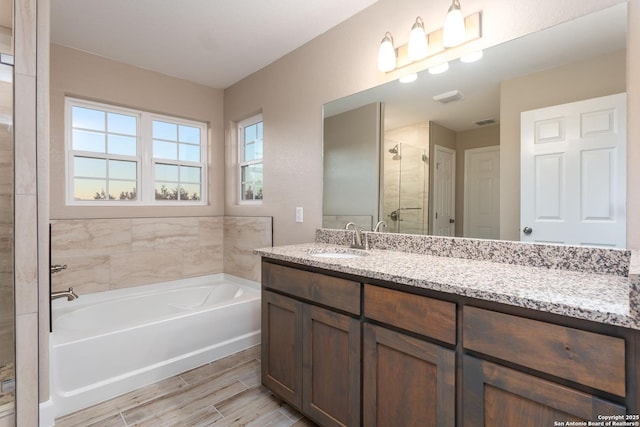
299 214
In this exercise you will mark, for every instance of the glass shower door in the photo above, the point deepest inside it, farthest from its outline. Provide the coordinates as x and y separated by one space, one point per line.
405 192
7 329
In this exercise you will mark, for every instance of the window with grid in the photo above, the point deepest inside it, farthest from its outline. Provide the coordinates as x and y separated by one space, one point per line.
250 148
117 156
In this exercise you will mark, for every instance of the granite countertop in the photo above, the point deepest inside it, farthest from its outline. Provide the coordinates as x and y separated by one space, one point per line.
603 298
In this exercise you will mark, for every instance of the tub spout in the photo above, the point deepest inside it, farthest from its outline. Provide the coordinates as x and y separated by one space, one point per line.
56 268
61 294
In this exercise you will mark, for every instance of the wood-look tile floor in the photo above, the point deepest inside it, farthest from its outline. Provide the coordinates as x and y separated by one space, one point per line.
226 392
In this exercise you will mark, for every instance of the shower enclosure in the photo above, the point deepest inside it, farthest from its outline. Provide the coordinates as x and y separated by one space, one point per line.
7 330
405 187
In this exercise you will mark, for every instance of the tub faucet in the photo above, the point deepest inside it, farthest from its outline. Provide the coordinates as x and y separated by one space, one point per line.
61 294
357 242
56 268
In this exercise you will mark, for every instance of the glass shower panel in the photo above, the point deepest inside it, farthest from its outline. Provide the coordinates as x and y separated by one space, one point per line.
7 330
405 192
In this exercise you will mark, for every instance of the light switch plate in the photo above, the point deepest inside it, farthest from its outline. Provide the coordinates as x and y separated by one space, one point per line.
299 214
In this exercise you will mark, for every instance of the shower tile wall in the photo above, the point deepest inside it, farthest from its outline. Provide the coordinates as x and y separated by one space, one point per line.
103 254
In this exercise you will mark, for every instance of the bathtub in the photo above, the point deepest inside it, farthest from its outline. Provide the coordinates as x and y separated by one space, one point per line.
109 343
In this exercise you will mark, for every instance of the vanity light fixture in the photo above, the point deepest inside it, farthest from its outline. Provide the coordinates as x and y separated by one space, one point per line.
457 30
471 57
418 45
387 54
454 32
439 69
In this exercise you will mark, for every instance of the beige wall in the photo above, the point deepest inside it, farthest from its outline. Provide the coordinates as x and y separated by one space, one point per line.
467 140
92 77
599 76
291 91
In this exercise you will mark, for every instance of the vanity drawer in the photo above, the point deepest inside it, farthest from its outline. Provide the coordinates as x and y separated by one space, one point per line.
422 315
586 358
332 291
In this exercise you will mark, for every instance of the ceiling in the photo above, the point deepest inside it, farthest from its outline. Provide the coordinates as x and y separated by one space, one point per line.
212 42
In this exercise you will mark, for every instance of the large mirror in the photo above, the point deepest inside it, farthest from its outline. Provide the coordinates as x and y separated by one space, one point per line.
441 155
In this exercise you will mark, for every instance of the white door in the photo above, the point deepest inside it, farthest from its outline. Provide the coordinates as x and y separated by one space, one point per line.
444 192
482 193
573 173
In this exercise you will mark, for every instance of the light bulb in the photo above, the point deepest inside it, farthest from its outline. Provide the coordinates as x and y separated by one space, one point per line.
418 46
409 78
454 32
387 54
437 69
472 57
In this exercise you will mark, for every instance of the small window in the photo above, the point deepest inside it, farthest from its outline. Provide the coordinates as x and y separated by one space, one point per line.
117 155
250 149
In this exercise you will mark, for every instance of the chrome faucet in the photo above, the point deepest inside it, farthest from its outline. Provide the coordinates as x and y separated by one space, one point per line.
357 242
61 294
379 226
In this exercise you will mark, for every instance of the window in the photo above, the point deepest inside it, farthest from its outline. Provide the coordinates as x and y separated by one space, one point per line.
119 156
250 160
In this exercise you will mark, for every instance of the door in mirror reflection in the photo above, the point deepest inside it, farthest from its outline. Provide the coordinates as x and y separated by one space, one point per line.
573 173
444 192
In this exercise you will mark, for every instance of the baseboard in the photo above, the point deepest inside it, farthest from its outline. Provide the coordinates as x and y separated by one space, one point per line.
47 414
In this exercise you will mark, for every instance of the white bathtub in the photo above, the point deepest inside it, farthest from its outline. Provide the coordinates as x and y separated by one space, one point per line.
108 343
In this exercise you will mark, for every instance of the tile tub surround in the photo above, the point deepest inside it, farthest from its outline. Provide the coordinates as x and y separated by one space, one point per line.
560 257
605 298
104 254
241 236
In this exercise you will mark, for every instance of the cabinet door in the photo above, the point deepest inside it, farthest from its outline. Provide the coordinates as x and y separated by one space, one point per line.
497 396
407 382
331 367
282 347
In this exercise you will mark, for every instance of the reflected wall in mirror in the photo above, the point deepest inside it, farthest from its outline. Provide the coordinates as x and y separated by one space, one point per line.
469 179
7 328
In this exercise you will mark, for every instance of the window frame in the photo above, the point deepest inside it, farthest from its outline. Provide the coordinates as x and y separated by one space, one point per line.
145 162
240 144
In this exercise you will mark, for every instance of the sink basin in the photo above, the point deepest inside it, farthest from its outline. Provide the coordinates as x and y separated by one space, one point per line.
337 253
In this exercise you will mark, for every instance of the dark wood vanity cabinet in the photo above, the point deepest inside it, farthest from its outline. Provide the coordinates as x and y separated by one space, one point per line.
310 354
351 353
408 381
496 395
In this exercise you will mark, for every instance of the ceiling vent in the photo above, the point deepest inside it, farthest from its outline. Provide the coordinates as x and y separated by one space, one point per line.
485 122
450 96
